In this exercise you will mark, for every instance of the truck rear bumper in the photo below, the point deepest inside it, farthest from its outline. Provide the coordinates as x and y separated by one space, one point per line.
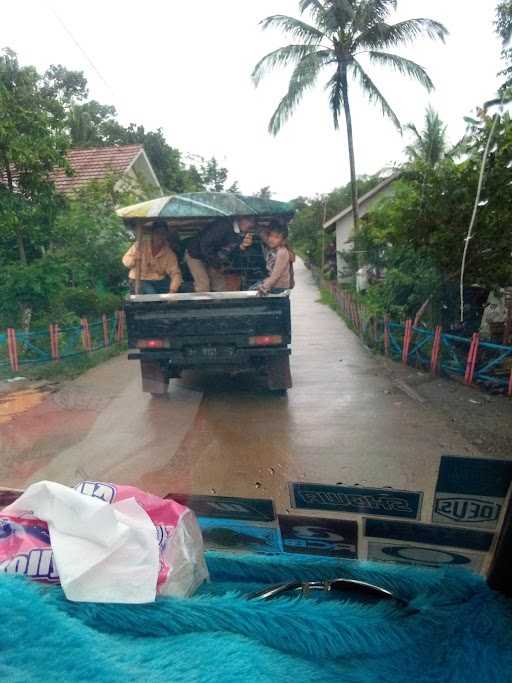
209 357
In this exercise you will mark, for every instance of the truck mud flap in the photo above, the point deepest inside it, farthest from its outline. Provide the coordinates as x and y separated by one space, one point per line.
155 379
278 374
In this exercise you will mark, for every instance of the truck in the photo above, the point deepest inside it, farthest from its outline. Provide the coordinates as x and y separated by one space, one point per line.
233 331
229 331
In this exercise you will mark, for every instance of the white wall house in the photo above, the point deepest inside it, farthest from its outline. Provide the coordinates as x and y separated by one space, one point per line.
343 224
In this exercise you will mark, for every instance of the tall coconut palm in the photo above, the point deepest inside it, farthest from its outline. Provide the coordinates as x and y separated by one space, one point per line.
338 34
504 30
430 144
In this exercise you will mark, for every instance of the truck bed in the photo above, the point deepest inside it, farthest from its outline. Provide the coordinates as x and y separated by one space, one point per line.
210 317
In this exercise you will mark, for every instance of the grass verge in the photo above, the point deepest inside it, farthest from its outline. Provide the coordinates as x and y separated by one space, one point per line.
67 368
327 298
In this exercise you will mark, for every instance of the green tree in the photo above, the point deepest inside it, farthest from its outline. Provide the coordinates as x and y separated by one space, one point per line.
33 141
88 123
214 175
340 33
63 85
504 20
504 31
429 145
234 187
264 193
306 230
92 124
84 243
428 214
166 160
412 278
33 287
89 239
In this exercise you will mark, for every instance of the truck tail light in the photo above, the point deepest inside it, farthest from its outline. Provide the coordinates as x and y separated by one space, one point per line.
153 344
266 340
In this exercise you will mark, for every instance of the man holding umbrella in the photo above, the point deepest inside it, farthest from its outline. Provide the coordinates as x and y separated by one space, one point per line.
213 248
159 269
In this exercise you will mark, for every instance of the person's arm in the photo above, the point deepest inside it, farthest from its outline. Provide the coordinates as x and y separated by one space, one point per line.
173 270
130 258
281 266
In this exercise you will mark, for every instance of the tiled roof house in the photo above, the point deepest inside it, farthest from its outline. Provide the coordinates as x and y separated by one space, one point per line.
129 162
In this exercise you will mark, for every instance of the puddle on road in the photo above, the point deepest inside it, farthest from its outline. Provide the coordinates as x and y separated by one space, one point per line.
14 404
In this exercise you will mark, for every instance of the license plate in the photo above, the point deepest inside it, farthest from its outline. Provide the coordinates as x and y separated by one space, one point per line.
217 351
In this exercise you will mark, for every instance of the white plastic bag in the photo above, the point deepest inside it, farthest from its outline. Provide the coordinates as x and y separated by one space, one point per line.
106 543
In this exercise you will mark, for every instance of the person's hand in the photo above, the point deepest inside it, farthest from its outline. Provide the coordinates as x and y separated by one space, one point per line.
262 291
246 242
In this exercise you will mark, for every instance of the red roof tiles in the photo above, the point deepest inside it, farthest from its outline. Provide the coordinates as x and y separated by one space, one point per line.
94 163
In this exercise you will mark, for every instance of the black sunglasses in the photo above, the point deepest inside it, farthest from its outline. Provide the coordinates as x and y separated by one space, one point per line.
347 587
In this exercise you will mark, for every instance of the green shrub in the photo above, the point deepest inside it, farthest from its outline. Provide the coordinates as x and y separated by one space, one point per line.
87 303
35 287
411 278
83 302
109 302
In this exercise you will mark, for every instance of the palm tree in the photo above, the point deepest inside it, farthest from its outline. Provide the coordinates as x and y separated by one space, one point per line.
340 32
504 30
430 145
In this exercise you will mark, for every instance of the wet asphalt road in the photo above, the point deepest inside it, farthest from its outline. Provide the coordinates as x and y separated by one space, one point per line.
343 421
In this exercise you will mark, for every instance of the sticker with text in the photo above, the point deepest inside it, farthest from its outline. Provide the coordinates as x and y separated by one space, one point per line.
471 491
227 507
318 536
357 500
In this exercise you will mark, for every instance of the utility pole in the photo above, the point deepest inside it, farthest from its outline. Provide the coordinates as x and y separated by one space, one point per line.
323 235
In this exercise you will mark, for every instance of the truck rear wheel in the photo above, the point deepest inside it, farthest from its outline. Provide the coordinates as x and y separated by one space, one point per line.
155 378
278 374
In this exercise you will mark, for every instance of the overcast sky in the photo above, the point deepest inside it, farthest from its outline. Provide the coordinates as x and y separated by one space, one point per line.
185 66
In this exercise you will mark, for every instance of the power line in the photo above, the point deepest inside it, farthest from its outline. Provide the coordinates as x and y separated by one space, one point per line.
82 50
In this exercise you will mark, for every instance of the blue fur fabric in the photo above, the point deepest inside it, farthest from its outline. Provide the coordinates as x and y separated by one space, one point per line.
462 631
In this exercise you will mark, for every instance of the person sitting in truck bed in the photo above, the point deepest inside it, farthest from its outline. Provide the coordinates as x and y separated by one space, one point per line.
263 234
279 262
159 269
213 248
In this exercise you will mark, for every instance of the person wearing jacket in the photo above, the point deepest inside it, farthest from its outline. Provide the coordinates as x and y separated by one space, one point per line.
213 248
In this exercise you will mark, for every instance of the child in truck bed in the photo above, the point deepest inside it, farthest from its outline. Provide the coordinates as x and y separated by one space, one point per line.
278 261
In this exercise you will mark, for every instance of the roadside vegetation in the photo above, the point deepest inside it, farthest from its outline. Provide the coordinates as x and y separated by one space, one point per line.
337 40
66 368
413 241
60 256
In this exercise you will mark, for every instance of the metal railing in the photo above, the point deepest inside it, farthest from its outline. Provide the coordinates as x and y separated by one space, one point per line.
478 362
20 349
